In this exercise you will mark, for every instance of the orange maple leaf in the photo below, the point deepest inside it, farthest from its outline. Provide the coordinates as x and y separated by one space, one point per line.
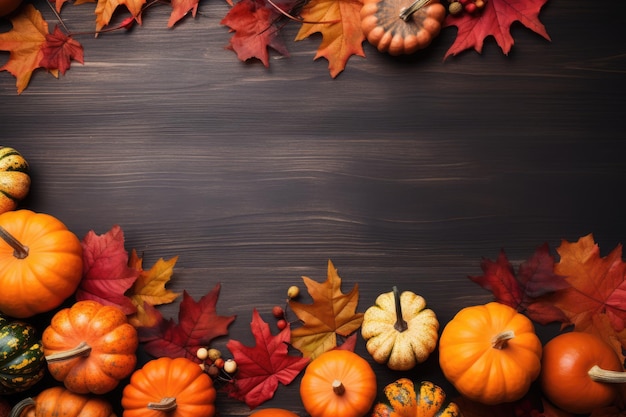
24 42
332 313
340 26
596 300
105 8
180 8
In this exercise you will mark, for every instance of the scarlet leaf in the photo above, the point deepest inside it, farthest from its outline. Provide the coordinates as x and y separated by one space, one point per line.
264 365
340 26
331 314
495 19
25 42
106 274
198 324
58 50
255 30
524 292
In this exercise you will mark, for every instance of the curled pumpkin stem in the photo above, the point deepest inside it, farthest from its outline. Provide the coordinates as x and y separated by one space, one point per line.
338 387
501 340
604 375
20 251
81 350
407 12
166 405
401 324
21 407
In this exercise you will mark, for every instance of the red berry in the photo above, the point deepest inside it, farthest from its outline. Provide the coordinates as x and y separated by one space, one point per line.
281 324
464 2
219 362
470 7
278 312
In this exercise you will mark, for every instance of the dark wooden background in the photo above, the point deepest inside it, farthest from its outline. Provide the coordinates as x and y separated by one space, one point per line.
401 171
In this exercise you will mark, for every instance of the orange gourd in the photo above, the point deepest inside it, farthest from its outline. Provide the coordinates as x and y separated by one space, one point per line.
273 412
401 26
490 353
41 263
58 401
166 387
580 372
338 383
404 400
90 347
14 176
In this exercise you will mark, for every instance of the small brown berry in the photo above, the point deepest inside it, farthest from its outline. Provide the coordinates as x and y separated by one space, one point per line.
455 7
213 371
214 354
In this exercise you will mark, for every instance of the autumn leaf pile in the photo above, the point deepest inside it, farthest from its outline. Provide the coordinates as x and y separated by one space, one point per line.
254 26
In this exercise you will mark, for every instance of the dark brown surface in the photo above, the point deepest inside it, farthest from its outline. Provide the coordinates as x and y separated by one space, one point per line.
401 171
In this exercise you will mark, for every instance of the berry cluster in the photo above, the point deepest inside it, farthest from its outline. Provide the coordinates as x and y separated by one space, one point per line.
279 312
468 6
218 368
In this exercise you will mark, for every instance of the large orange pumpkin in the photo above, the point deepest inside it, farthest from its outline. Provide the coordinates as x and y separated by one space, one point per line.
58 401
338 383
490 353
90 347
41 263
167 387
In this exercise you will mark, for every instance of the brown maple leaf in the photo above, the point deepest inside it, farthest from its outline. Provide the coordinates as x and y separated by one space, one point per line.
331 314
495 19
25 42
263 366
59 50
340 26
255 31
105 8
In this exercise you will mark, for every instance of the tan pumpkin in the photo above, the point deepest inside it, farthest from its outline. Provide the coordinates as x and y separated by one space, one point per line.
404 399
14 176
400 331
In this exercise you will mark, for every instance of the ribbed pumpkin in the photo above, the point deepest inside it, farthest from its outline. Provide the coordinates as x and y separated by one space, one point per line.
167 387
273 412
41 263
14 175
60 402
490 353
90 347
405 400
22 362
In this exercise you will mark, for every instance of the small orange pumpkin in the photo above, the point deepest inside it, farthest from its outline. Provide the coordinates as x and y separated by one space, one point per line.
580 372
167 387
90 347
58 401
273 412
401 26
338 383
41 263
490 353
14 177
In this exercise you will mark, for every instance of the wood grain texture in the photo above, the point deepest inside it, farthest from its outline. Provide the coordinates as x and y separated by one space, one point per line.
401 171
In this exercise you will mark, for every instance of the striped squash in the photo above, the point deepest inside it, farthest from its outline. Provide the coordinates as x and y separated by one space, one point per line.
14 178
22 361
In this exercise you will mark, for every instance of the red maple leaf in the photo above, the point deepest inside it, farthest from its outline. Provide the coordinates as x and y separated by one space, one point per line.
254 24
59 50
524 292
495 19
198 324
263 366
106 274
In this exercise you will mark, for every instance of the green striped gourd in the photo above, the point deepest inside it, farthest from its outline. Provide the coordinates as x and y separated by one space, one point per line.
14 178
22 362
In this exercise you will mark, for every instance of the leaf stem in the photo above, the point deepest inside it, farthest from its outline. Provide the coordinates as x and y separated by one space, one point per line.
58 16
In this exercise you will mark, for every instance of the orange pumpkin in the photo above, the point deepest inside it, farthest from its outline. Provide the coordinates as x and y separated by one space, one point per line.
273 412
338 383
166 387
58 401
90 347
14 177
580 372
41 263
490 353
401 26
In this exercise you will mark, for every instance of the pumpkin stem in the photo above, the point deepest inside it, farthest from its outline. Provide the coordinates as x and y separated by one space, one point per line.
82 350
19 250
501 339
21 406
604 375
166 405
338 387
407 12
400 324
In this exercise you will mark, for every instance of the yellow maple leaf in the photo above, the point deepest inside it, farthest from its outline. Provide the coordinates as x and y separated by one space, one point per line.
332 313
105 8
24 42
149 288
340 26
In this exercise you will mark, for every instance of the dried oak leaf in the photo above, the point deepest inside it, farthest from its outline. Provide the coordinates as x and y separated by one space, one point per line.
332 313
25 42
339 22
255 31
525 291
198 324
495 19
263 366
149 289
106 274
